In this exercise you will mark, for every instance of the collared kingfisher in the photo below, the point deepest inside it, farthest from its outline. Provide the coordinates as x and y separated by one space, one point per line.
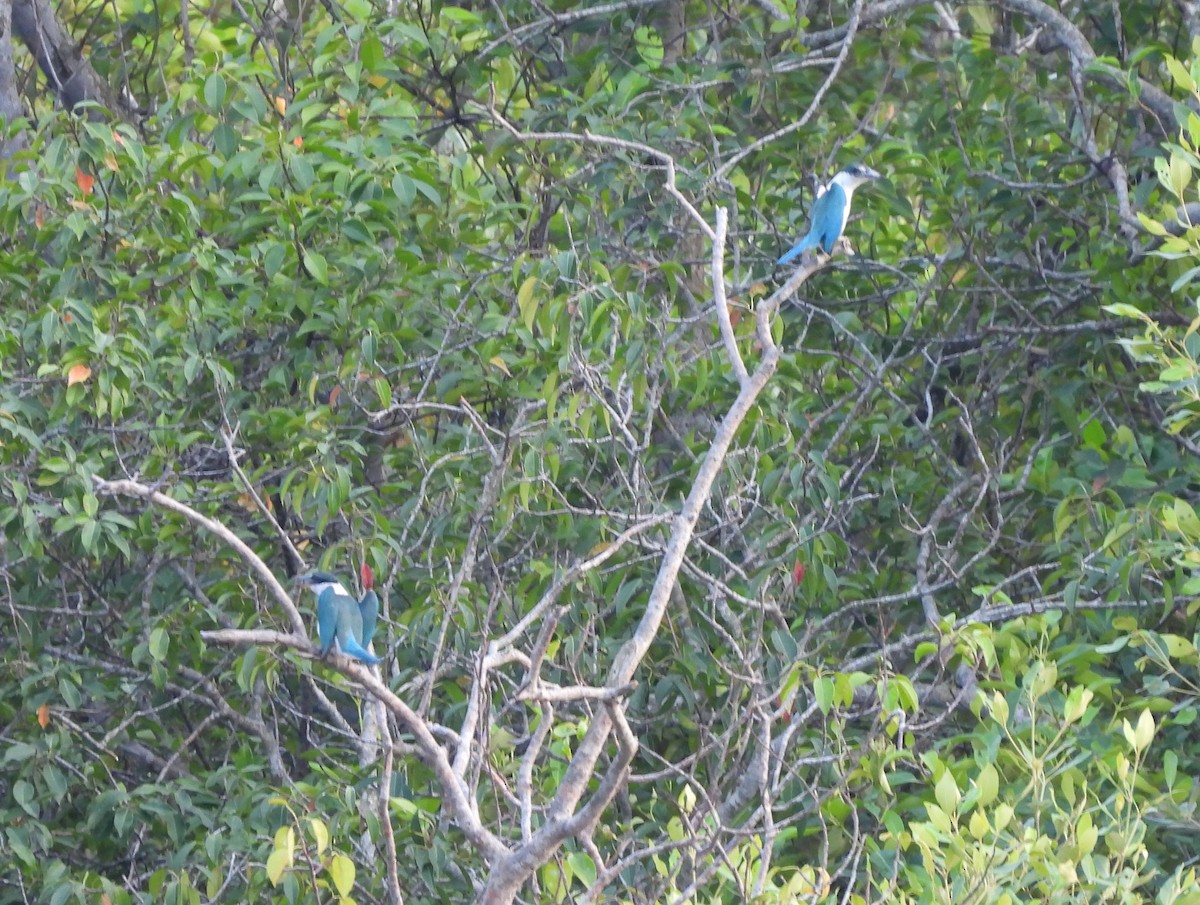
831 211
341 618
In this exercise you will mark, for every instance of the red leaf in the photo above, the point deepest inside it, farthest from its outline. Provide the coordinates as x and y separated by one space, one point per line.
798 571
368 577
84 181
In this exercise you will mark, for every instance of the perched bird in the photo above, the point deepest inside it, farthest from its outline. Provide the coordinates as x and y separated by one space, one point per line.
831 211
341 618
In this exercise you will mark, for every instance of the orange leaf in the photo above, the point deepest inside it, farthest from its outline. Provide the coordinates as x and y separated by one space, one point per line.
39 215
334 394
118 139
368 577
298 141
44 716
84 181
78 374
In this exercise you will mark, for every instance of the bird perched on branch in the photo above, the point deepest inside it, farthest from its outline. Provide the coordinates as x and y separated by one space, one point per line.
341 618
831 211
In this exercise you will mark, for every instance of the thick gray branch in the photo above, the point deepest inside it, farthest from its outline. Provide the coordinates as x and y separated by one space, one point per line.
10 101
72 77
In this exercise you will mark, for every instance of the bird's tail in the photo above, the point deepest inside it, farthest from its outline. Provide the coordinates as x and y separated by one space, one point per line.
799 248
357 651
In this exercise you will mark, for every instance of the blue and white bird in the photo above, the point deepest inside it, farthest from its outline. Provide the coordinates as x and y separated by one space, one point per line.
831 211
341 618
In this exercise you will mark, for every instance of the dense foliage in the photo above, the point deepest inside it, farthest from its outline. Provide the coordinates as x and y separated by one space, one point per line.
431 289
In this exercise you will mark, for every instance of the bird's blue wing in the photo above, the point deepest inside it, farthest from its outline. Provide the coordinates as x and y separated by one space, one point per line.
369 607
326 619
829 217
350 629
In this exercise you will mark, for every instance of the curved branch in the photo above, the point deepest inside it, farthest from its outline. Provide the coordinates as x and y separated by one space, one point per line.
1083 56
249 557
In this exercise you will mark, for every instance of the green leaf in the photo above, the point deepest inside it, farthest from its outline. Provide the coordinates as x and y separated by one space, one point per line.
160 642
371 54
823 689
214 91
314 263
23 794
582 867
938 818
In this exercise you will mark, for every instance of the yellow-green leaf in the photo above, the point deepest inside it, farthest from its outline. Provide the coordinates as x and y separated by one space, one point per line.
1151 225
1181 76
999 708
1077 703
978 825
277 863
1003 816
1086 833
988 784
320 834
285 838
341 870
1179 173
938 818
526 302
946 792
1143 734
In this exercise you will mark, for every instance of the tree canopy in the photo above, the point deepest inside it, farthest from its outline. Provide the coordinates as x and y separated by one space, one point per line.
872 579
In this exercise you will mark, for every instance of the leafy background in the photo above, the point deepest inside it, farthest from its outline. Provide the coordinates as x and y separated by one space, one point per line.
363 277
